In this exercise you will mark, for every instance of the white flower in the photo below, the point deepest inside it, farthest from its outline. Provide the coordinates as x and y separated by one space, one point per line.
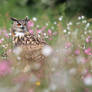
65 31
46 37
70 23
90 31
88 80
18 58
82 17
69 32
68 27
44 34
34 19
85 32
79 18
9 34
46 50
84 21
60 18
87 25
2 39
38 26
72 71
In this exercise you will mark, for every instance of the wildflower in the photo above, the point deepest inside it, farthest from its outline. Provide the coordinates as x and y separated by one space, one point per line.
69 33
68 27
85 32
37 26
49 32
82 17
0 41
70 23
46 50
60 18
88 39
77 52
87 25
88 51
30 24
34 19
9 34
38 83
87 80
6 35
31 31
79 18
81 59
65 31
39 31
90 31
68 45
84 21
4 68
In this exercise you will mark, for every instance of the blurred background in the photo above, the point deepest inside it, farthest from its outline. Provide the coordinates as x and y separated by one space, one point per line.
43 8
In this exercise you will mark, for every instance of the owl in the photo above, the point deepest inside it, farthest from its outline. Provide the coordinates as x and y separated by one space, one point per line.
29 45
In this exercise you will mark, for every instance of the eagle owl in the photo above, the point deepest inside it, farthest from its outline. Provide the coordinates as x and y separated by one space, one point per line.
30 44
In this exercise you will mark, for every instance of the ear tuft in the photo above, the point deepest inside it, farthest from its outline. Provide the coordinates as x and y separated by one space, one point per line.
13 19
27 19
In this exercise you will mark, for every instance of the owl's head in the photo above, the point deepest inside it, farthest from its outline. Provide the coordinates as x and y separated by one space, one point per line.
20 25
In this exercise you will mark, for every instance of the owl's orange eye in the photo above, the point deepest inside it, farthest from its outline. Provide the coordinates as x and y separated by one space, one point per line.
18 24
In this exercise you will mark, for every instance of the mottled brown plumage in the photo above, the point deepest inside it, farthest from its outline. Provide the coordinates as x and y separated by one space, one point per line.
30 44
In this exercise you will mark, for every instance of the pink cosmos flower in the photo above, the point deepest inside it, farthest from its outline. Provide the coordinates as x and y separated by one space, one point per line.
6 35
4 68
31 31
88 51
39 31
68 45
49 32
88 39
30 24
77 52
0 41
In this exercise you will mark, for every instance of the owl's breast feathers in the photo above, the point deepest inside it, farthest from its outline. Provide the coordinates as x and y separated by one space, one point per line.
31 47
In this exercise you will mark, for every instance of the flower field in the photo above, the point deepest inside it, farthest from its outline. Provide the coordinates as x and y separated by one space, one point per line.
69 57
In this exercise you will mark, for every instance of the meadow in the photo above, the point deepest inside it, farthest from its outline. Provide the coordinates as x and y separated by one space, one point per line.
69 64
68 67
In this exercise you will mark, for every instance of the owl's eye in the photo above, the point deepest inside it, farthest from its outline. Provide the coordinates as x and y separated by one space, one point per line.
18 24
